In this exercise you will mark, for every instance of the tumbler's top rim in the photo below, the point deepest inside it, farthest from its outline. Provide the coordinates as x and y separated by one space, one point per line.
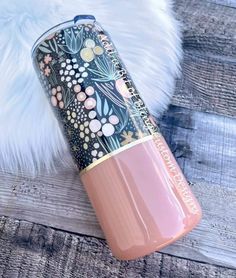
78 19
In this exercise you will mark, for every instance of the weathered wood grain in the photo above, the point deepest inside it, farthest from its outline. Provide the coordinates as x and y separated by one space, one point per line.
207 27
207 83
209 64
228 3
30 250
205 146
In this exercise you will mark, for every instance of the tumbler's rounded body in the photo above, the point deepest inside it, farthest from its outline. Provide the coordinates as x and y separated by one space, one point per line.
138 191
141 199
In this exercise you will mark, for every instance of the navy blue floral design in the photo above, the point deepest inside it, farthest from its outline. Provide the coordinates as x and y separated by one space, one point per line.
91 92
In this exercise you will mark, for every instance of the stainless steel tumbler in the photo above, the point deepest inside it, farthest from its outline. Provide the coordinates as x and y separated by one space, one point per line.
139 193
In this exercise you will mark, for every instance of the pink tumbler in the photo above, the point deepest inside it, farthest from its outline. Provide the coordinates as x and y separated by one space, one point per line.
139 194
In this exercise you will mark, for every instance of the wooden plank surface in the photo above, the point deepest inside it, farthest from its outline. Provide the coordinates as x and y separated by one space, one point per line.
205 146
207 84
209 65
207 157
30 250
207 27
228 3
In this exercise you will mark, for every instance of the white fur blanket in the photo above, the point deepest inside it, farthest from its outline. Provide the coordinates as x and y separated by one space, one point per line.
146 35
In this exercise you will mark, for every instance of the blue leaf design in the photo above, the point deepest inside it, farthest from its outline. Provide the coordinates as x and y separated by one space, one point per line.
44 49
99 104
68 40
110 112
105 108
55 44
44 44
79 39
123 117
73 43
106 71
51 46
64 48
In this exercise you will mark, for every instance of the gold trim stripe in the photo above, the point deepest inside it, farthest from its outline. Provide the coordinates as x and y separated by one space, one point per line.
121 149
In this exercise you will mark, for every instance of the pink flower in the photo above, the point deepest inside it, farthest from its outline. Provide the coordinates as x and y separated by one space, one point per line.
122 88
47 59
47 71
50 36
41 65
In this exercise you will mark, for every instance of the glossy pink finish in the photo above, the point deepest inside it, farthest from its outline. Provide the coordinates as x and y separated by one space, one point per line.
141 199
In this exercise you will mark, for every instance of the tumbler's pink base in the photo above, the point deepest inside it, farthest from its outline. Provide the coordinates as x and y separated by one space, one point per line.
137 201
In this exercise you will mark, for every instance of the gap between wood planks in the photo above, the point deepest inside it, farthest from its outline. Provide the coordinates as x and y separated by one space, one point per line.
32 250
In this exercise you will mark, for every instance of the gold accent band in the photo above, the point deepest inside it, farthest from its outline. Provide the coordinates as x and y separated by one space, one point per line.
121 149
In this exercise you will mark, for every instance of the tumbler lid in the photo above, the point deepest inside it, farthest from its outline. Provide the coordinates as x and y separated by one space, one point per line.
78 19
83 17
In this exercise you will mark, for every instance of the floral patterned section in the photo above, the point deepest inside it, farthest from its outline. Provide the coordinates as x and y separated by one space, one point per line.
91 92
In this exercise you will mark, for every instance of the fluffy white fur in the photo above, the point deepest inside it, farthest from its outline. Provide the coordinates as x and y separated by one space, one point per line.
145 33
